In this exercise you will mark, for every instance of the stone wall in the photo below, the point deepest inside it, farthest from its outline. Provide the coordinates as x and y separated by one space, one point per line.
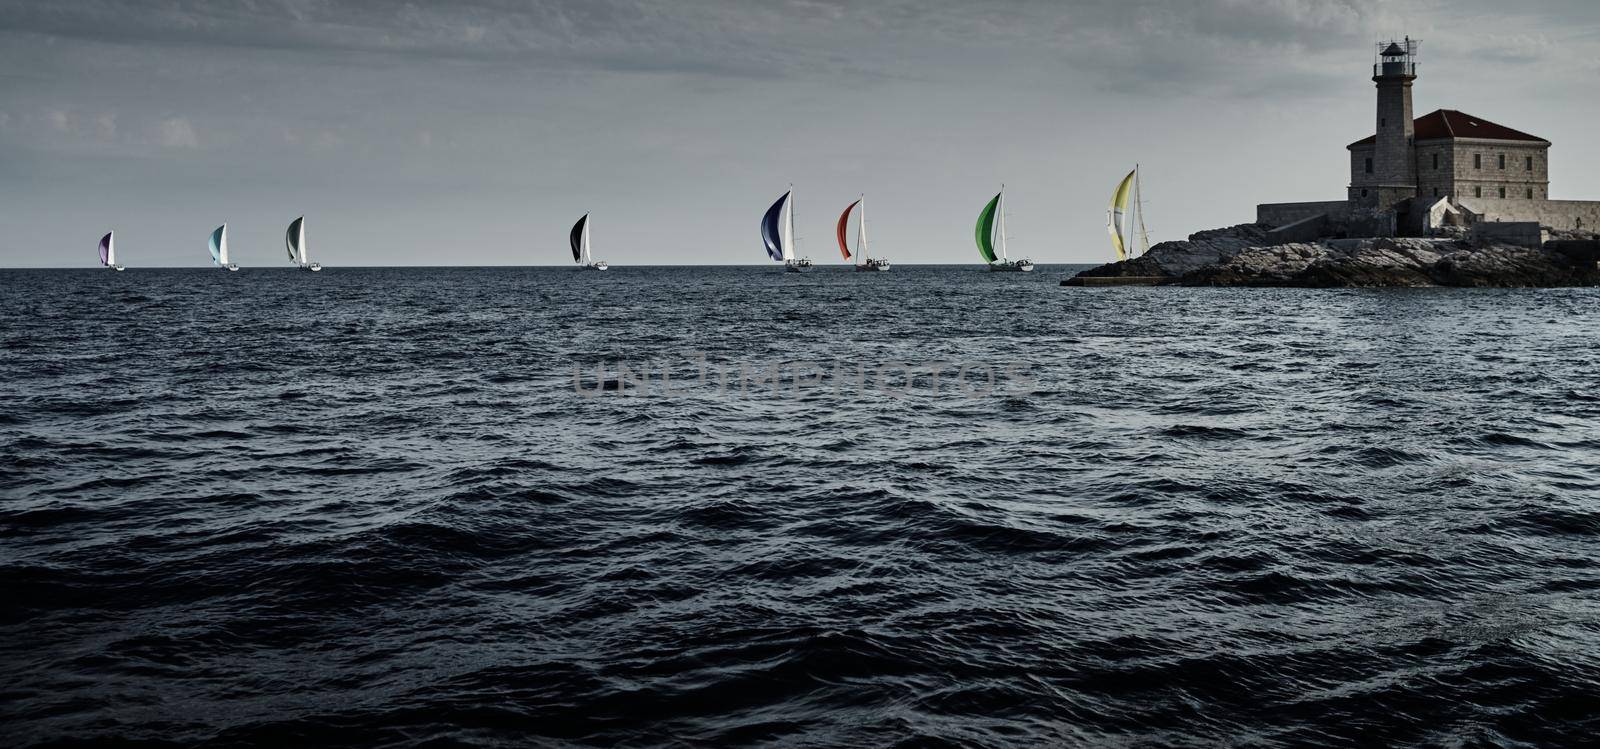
1435 169
1305 230
1520 233
1359 176
1371 222
1371 189
1459 168
1556 214
1474 170
1279 214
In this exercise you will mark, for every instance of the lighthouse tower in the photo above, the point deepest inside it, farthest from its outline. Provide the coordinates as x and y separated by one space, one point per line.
1392 176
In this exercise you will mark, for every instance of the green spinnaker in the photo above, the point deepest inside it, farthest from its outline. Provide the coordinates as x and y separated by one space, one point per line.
986 230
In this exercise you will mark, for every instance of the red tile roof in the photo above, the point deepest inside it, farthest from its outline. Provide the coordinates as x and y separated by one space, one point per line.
1441 124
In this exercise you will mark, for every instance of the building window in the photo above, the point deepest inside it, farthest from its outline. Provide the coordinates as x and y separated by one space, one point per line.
1363 192
1530 165
1477 191
1383 122
1502 193
1502 161
1477 161
1436 192
1436 161
1369 166
1530 193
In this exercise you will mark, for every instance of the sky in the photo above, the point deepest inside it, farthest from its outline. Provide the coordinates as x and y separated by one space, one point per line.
476 132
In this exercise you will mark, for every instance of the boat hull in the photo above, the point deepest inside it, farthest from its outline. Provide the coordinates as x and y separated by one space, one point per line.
874 265
1020 266
803 266
602 265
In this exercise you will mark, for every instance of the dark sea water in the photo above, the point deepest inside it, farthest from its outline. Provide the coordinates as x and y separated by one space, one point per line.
369 507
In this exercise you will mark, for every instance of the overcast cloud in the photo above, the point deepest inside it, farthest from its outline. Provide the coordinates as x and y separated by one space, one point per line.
476 132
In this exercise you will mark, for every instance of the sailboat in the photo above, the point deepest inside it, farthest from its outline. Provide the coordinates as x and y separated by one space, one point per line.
296 242
219 248
108 251
777 233
580 246
867 263
1120 221
992 226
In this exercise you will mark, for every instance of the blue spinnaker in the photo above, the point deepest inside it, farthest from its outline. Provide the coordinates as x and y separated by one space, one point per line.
771 234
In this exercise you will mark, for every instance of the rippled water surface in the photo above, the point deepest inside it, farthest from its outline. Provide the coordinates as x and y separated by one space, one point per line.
369 507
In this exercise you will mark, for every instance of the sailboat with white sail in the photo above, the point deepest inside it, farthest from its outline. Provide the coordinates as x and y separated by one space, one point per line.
777 233
863 262
580 246
108 251
219 249
296 242
991 233
1125 214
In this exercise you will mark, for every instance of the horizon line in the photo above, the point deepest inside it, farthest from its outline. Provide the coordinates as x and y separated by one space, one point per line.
573 267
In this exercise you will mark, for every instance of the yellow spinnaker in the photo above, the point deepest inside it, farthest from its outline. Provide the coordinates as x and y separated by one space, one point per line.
1119 208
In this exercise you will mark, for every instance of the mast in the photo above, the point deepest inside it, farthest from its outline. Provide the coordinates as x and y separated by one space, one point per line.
1001 209
1138 207
861 232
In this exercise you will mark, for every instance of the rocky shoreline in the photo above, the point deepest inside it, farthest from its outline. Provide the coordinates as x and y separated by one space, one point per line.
1242 256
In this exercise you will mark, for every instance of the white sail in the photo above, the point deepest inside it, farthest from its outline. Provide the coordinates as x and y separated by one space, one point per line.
1138 211
301 242
111 249
1004 258
588 256
861 231
788 227
222 247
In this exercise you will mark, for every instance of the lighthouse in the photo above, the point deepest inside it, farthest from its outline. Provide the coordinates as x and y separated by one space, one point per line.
1392 176
1409 171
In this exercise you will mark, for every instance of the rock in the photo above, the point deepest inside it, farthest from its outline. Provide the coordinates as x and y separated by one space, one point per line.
1237 256
1174 259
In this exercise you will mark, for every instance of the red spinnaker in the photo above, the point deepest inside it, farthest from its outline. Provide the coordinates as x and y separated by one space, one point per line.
844 218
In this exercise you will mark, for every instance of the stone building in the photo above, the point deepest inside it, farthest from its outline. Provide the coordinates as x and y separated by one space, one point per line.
1450 153
1445 166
